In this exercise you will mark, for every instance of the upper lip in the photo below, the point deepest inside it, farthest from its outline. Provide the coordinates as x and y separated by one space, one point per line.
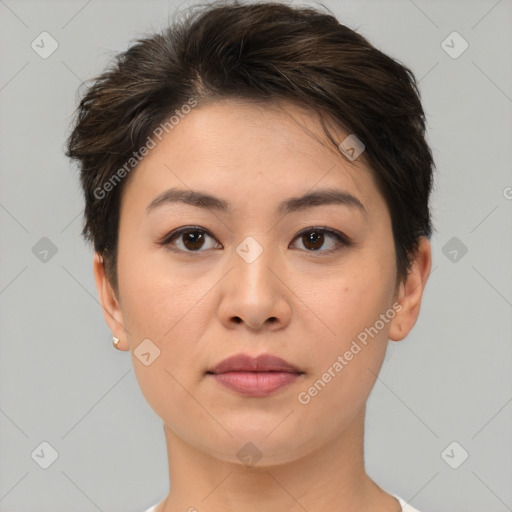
261 363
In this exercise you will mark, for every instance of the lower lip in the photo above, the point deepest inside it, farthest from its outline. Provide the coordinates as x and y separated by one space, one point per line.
255 383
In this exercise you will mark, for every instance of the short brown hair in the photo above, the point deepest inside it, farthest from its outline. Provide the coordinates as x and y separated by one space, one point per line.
264 51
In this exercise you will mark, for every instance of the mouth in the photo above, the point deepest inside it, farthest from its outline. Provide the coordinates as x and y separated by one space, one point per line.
255 376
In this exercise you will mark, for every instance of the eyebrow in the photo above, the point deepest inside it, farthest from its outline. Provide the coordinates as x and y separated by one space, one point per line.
206 201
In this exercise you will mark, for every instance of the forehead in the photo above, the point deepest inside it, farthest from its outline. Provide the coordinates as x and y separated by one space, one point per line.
234 146
279 126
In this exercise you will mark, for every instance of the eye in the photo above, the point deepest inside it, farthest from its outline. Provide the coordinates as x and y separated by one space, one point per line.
191 239
188 239
314 238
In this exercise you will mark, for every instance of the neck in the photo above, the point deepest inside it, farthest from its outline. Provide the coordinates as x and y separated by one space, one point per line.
330 478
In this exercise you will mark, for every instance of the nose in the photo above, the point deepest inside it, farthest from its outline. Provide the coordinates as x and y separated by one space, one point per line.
254 294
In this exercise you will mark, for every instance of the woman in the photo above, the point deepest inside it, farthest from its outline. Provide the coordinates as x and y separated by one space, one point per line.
256 183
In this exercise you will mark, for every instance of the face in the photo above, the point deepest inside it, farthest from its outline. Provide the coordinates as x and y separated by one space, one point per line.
257 270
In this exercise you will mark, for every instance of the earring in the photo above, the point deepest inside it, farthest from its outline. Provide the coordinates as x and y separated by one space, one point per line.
115 341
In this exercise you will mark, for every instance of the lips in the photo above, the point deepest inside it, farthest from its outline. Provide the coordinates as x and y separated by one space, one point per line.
255 376
262 363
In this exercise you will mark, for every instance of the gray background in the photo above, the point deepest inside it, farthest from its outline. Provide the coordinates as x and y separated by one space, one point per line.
62 382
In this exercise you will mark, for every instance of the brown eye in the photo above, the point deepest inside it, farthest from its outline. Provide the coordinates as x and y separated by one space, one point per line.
314 239
189 239
192 239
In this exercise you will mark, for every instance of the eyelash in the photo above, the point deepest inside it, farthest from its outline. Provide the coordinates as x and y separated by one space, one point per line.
341 239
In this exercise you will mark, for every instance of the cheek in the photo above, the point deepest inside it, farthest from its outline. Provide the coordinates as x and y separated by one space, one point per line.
346 364
156 295
360 322
165 307
354 300
170 307
355 309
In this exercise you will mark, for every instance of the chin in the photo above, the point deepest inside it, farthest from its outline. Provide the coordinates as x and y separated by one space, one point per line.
260 445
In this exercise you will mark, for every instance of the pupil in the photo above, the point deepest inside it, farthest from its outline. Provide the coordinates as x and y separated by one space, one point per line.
189 241
315 238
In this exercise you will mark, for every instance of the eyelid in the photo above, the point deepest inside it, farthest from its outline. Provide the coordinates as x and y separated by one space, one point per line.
166 240
339 236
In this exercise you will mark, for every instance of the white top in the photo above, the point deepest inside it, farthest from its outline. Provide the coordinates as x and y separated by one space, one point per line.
405 506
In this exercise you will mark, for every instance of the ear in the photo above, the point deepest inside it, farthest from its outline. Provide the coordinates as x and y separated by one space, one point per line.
411 291
109 302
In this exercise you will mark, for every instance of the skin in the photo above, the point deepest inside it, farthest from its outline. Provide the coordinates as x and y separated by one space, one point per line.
304 305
